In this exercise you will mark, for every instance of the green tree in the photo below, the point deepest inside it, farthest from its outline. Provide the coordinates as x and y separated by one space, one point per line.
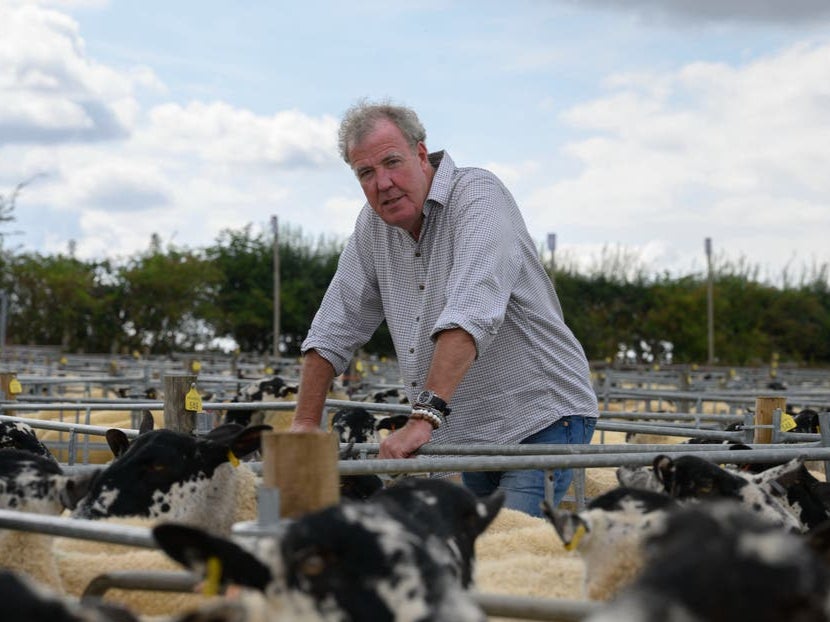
52 301
166 296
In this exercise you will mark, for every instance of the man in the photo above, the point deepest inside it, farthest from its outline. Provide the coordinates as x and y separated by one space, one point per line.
443 255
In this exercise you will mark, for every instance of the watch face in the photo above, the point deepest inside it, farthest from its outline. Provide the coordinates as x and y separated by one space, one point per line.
424 397
430 399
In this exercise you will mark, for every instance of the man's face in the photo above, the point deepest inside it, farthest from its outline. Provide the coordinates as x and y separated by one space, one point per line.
394 179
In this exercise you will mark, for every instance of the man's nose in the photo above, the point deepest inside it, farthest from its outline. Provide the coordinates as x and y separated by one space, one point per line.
384 179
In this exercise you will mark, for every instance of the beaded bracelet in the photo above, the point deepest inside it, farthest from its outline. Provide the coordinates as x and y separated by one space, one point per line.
428 415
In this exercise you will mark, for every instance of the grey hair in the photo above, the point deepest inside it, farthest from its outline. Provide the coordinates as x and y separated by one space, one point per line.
360 119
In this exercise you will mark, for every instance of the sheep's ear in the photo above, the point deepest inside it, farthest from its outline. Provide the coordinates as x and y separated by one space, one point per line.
193 548
664 469
76 488
118 441
147 424
487 509
248 440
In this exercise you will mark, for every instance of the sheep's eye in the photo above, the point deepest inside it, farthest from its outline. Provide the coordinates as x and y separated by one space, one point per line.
312 566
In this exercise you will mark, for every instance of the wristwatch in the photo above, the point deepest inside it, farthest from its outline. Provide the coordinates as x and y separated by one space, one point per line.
431 400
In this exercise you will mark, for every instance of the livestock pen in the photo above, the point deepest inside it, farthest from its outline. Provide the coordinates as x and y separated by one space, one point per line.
713 407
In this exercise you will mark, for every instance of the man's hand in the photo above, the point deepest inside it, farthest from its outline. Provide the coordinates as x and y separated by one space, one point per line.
404 442
304 426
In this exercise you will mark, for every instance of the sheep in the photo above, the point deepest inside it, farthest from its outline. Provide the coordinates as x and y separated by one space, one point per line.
20 435
31 483
716 562
608 535
402 556
692 477
162 475
268 389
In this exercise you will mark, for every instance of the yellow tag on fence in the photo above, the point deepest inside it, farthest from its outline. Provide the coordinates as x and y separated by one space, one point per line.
787 422
14 386
193 401
195 366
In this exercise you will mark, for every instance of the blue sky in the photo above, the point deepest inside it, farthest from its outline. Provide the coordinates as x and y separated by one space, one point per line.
633 129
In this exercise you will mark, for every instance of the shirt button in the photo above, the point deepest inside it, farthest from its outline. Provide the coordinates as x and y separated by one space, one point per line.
414 384
417 254
421 287
412 350
418 319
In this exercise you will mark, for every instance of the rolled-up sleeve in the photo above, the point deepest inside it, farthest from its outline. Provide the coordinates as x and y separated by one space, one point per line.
485 262
351 310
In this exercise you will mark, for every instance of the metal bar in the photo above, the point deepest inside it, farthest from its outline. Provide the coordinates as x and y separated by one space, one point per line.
498 605
152 580
67 427
531 608
505 463
100 531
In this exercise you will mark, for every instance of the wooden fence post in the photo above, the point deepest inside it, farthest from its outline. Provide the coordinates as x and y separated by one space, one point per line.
176 417
764 407
303 466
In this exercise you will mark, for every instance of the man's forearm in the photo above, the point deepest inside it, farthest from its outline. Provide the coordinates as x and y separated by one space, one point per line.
316 379
455 351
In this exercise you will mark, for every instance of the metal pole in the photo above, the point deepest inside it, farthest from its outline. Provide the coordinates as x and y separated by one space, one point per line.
710 306
275 228
552 249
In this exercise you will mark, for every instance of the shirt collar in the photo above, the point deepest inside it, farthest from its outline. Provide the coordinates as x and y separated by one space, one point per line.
440 190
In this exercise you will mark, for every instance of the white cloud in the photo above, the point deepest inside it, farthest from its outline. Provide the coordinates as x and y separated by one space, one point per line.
714 149
50 90
221 133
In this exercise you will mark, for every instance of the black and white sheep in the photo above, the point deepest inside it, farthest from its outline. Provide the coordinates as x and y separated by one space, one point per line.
401 557
718 562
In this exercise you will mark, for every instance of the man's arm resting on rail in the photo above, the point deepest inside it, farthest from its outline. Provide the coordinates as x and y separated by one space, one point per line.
316 379
455 351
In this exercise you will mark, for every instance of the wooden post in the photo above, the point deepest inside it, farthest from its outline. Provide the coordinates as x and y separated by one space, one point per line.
6 380
176 417
764 406
303 466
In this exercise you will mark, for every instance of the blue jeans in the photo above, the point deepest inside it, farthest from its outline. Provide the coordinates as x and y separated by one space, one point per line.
525 490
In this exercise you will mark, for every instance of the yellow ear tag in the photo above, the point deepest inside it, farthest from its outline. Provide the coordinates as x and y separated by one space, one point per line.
580 531
787 422
232 458
358 367
213 577
192 400
63 360
195 366
14 386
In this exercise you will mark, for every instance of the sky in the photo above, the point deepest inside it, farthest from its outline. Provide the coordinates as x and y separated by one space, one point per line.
631 129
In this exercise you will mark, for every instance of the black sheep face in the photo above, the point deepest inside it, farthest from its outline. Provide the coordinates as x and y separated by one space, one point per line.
357 562
19 435
354 424
172 475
